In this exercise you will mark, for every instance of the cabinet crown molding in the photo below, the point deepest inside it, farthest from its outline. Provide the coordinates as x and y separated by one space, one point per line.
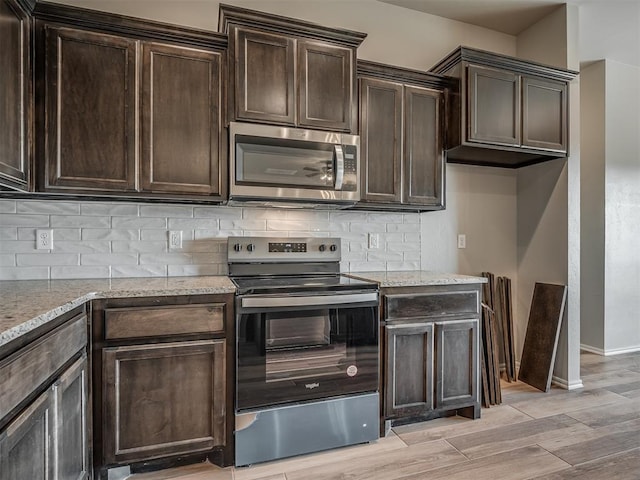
490 59
394 73
128 26
231 15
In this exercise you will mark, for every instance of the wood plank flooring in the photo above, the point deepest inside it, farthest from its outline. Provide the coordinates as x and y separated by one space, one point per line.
587 434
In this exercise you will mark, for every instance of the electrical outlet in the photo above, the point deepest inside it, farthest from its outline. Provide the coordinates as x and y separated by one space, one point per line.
175 239
374 240
462 240
44 239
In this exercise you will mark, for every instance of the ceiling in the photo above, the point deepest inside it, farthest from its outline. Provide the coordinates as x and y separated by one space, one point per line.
507 16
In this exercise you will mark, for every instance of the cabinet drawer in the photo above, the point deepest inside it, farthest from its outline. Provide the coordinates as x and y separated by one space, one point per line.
436 304
141 322
26 370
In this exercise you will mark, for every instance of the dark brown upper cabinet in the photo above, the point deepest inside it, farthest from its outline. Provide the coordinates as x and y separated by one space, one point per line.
128 107
286 71
15 94
402 128
505 112
181 121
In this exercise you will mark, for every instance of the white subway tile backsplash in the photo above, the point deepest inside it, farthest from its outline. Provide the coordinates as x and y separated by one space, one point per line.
243 224
24 273
84 246
193 224
123 271
368 227
217 212
109 234
278 225
137 246
28 259
137 223
9 233
96 271
51 208
165 258
110 209
166 211
109 259
404 266
382 256
19 246
58 221
8 206
7 260
23 220
191 270
113 239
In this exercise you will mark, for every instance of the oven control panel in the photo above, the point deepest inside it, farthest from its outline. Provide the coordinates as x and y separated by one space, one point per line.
266 249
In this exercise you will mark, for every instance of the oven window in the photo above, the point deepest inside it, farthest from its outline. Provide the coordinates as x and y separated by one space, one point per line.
300 347
288 163
295 355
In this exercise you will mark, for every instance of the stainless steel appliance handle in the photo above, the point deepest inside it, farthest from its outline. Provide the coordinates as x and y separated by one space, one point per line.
339 166
310 300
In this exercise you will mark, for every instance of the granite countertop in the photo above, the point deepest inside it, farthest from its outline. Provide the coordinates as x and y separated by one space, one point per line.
28 304
417 278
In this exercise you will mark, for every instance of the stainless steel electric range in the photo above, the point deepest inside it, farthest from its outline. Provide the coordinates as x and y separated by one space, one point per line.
307 349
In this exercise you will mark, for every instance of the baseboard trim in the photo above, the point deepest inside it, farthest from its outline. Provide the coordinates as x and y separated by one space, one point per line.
610 352
562 383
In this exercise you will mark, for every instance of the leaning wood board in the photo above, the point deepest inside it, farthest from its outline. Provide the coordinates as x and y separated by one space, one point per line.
543 330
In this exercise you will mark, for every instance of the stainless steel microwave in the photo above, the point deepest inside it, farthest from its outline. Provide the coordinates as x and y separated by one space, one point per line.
272 165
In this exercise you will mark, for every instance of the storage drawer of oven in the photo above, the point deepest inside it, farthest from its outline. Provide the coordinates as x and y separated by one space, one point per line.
433 304
122 323
350 299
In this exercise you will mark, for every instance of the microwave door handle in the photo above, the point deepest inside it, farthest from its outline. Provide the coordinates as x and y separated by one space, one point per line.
339 166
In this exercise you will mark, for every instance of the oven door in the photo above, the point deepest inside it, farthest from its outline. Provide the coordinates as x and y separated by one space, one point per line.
302 347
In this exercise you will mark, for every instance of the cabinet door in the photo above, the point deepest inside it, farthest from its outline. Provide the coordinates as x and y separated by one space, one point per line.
181 120
456 363
90 110
26 444
409 369
493 106
423 147
544 114
380 140
325 85
70 426
163 399
14 95
264 77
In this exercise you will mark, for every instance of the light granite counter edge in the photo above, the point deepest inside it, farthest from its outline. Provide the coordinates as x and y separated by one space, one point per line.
31 324
418 278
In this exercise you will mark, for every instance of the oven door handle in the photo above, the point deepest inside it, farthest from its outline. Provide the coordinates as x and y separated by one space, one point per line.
307 301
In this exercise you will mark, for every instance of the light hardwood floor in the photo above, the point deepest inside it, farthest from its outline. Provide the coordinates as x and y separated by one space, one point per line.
589 434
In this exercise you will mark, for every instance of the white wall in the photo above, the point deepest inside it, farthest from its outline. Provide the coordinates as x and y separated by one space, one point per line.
592 113
549 200
622 208
481 202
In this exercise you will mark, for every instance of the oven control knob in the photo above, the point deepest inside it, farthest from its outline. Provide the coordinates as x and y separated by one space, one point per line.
251 247
322 248
333 247
237 247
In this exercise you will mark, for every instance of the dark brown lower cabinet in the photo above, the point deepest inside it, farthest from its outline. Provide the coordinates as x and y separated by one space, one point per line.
163 399
430 352
456 363
49 440
25 452
409 369
70 396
